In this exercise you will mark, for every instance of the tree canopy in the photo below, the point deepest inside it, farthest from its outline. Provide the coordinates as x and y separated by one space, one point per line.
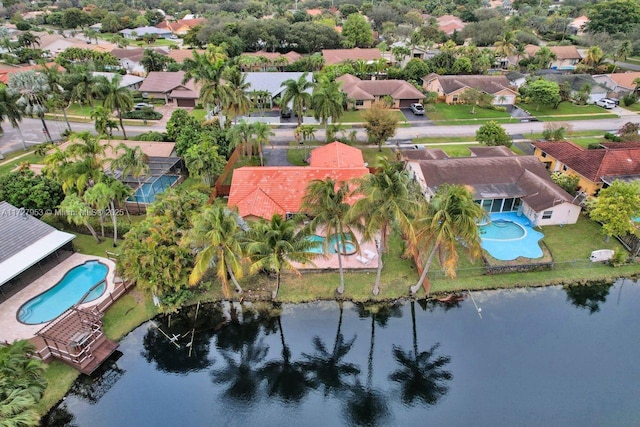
615 207
491 133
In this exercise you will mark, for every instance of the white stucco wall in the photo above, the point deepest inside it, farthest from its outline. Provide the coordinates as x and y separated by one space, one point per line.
416 173
563 213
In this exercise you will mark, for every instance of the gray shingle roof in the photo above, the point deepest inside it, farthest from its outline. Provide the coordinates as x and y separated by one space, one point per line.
18 230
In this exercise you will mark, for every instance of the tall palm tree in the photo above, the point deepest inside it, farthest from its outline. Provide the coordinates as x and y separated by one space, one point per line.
132 161
100 197
326 366
520 50
116 98
240 136
544 56
262 132
59 97
594 57
326 102
326 202
32 89
296 92
451 216
505 47
87 147
103 123
10 111
389 201
420 377
82 85
78 213
275 245
235 98
216 238
206 70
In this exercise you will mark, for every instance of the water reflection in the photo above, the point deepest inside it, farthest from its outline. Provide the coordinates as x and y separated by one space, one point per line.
588 296
371 364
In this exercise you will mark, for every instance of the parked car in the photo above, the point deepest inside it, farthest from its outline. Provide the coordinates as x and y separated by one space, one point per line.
285 113
615 101
417 109
605 103
142 106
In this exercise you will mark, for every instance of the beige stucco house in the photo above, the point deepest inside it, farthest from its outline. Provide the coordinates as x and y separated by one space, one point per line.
449 88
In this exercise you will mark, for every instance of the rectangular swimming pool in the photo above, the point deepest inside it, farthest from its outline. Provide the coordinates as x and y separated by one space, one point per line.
147 192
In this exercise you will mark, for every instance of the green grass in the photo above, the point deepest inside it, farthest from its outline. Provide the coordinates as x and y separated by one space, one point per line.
356 116
129 312
199 114
459 112
574 118
244 161
633 107
60 378
30 158
370 155
443 139
297 156
461 150
564 109
82 110
585 141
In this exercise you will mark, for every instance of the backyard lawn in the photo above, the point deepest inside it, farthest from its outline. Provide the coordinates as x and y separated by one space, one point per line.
198 113
31 158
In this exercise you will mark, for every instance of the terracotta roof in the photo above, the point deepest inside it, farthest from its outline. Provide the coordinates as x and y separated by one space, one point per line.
495 177
264 191
165 82
449 23
369 89
314 12
562 52
487 84
4 74
272 56
579 22
180 23
179 55
335 56
594 164
624 79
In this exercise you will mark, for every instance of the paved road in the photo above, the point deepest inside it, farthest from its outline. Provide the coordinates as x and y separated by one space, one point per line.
32 130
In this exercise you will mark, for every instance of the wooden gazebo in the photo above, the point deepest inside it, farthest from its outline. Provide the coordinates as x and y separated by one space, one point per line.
77 339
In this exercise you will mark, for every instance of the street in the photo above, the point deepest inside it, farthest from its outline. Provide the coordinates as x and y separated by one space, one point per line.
32 131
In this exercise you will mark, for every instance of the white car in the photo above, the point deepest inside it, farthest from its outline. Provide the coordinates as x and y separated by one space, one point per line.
605 103
417 109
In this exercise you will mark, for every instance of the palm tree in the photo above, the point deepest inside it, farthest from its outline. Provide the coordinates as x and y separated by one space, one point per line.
78 213
103 123
132 162
419 376
326 202
327 102
594 57
275 245
100 196
636 84
216 238
206 70
10 111
389 201
240 136
81 85
519 51
32 89
544 56
83 166
296 92
327 367
451 216
505 47
58 97
117 98
262 132
235 97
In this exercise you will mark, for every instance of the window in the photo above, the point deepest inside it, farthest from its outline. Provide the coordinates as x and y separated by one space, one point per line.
564 168
359 103
547 214
543 154
290 215
454 99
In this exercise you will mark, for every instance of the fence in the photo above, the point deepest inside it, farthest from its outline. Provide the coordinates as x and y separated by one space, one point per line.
120 289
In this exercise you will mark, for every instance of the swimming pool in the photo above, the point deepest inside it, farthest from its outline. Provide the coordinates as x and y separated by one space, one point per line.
147 192
67 292
332 246
509 236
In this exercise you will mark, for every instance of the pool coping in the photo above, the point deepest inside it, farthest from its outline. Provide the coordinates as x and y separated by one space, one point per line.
11 329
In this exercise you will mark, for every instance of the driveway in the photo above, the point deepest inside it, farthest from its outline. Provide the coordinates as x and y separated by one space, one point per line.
421 120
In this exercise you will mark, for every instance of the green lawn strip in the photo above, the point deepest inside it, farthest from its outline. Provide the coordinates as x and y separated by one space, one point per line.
587 140
60 378
453 113
574 118
126 314
243 161
370 155
443 139
131 122
458 150
564 108
29 158
297 156
633 107
58 117
198 114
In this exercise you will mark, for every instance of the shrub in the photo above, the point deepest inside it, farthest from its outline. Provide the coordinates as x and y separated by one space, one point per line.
594 146
23 26
153 136
619 258
142 115
611 137
629 99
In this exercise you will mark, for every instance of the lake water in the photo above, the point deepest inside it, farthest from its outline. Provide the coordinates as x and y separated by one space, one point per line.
539 357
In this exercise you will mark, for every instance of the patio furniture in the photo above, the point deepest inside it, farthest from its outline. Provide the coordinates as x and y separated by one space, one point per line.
363 260
369 254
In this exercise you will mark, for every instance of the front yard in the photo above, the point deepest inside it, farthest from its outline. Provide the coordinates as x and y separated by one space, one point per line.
356 116
567 111
446 114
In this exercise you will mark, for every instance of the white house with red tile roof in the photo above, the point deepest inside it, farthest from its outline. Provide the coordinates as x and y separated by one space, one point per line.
261 192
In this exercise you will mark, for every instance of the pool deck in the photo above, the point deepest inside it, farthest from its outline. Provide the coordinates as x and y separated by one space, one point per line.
356 261
11 329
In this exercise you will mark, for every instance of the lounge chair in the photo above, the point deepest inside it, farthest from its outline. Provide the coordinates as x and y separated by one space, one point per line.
363 260
370 254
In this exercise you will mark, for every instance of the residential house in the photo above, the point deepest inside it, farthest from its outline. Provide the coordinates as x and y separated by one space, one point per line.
362 93
449 88
596 168
567 57
578 25
271 82
261 192
449 24
501 182
5 73
181 26
169 85
26 242
419 52
337 56
179 55
516 79
619 83
577 82
130 59
268 61
127 80
53 44
137 33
